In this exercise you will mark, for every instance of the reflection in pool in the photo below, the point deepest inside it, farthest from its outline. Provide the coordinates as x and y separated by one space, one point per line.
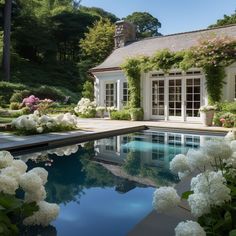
105 187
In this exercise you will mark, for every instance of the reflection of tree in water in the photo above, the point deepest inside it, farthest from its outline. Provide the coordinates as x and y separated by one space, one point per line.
69 176
133 166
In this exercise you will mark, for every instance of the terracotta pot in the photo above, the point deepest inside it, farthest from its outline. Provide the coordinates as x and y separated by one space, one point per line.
207 117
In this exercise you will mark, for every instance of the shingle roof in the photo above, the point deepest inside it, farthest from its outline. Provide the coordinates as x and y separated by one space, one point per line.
174 42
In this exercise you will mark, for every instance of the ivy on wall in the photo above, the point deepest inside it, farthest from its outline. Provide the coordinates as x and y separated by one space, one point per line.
212 55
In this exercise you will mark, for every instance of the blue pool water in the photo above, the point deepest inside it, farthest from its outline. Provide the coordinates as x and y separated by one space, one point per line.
105 187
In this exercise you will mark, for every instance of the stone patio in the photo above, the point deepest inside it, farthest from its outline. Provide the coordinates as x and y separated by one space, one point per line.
98 128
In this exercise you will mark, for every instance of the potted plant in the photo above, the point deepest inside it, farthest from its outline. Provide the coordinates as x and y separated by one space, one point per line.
207 114
110 110
100 111
136 114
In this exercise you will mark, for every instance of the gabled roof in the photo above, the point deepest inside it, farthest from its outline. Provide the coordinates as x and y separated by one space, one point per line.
173 42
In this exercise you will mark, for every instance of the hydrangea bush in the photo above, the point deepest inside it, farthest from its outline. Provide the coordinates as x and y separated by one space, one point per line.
85 108
31 209
212 195
36 123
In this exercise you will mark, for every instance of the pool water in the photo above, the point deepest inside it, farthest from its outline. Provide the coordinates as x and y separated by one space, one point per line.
105 187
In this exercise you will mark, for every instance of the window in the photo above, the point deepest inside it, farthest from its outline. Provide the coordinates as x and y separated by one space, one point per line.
125 93
110 95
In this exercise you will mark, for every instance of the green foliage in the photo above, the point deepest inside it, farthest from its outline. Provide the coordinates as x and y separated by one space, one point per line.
19 96
136 113
100 13
147 25
102 32
227 107
88 90
120 115
14 106
132 70
227 20
12 213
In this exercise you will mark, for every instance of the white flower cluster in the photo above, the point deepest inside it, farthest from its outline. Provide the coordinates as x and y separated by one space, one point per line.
13 175
101 109
207 108
35 123
189 228
209 188
85 106
165 198
109 109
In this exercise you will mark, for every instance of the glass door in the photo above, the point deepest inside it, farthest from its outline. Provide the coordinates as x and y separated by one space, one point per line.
110 95
175 98
158 98
193 97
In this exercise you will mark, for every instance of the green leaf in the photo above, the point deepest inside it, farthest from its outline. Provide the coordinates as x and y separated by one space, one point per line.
232 232
185 195
28 209
9 202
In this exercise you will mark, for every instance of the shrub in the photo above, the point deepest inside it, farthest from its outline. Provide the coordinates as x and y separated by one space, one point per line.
217 118
227 107
15 106
136 113
120 115
7 89
19 96
85 108
227 119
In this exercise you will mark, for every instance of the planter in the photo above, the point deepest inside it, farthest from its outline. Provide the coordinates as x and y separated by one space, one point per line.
136 114
207 117
100 114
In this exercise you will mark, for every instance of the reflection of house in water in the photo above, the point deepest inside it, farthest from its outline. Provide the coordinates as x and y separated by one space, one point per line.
154 148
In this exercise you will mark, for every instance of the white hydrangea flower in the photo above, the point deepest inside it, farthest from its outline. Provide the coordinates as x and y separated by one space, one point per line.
217 150
47 213
197 159
11 171
233 145
30 181
179 164
42 173
189 228
36 195
183 175
39 130
229 136
8 184
165 198
6 159
199 204
209 190
20 166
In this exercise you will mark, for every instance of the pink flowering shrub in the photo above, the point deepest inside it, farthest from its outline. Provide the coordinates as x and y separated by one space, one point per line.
34 103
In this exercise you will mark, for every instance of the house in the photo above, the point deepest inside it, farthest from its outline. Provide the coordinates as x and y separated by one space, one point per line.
176 95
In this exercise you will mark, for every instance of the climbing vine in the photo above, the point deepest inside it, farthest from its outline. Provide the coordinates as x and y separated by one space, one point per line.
213 55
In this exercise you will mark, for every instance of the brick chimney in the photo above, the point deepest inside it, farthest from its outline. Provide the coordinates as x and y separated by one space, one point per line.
125 32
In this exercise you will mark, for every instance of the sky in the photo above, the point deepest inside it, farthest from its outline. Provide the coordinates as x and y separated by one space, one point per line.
175 15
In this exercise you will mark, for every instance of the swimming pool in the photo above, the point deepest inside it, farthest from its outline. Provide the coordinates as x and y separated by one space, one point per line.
105 187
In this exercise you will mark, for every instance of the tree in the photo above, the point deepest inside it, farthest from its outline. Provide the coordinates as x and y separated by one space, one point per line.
98 42
88 90
147 25
227 20
100 12
7 39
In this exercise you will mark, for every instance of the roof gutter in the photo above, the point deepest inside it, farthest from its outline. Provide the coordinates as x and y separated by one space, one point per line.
94 70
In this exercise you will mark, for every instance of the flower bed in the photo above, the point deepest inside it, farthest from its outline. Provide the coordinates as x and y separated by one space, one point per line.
36 123
85 108
212 195
31 209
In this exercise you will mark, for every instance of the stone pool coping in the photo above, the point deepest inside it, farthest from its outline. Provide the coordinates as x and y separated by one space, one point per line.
99 128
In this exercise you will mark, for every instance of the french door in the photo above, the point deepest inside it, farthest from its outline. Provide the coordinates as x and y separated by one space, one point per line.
176 98
158 98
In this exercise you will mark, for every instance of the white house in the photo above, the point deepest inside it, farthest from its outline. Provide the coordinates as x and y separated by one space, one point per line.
176 95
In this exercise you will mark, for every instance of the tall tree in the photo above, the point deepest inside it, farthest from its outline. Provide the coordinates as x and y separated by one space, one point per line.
227 20
147 25
7 40
98 42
